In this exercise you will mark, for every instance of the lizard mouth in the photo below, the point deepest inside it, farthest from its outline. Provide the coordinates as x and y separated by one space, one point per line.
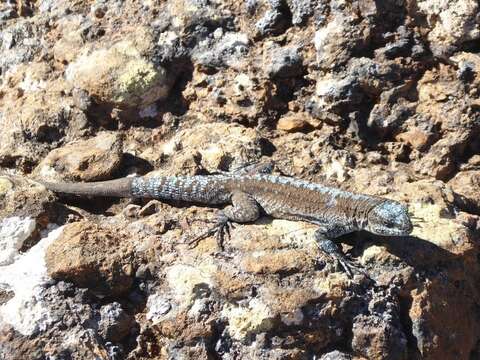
404 226
408 228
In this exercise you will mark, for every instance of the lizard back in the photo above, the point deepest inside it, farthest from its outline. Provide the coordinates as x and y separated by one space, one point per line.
296 199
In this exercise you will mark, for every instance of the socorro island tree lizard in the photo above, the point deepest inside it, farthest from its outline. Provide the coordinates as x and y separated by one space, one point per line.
336 212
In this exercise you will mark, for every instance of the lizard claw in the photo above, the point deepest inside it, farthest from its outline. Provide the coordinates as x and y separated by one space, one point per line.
221 228
331 249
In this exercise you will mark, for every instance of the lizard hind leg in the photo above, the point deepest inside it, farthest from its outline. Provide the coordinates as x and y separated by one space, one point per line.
222 226
244 209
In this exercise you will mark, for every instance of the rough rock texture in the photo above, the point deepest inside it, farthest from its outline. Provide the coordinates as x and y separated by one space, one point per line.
88 160
78 257
120 74
379 97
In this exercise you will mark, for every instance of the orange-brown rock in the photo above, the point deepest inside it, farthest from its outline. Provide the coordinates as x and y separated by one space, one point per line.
94 159
94 257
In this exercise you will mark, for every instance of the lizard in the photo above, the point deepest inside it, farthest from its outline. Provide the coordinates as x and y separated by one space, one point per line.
334 211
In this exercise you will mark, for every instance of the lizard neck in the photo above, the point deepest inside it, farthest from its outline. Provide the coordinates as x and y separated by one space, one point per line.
361 211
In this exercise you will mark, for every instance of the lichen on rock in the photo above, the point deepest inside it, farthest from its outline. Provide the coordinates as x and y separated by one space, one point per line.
121 74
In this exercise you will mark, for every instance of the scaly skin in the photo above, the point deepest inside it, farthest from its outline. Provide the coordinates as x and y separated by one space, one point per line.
334 211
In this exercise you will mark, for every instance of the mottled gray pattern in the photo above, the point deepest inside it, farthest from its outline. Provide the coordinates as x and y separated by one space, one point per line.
199 189
335 211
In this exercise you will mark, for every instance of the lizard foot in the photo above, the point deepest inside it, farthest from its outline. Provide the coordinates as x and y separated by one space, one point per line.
332 250
220 229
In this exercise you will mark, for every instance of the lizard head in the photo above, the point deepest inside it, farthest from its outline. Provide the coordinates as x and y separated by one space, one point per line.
389 218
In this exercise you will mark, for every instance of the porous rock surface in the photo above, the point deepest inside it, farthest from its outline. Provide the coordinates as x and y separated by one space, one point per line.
378 97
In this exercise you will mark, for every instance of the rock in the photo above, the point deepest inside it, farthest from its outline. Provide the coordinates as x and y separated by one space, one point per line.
7 11
71 28
209 146
185 281
20 41
284 63
13 232
380 327
400 43
428 318
267 262
273 21
252 317
25 202
157 307
363 78
375 338
84 160
334 286
432 202
451 24
440 160
332 96
335 355
391 111
301 10
432 92
293 123
187 14
469 66
419 133
329 51
466 184
472 163
27 311
115 324
121 74
441 98
229 50
35 117
442 104
92 257
376 97
340 36
99 9
5 186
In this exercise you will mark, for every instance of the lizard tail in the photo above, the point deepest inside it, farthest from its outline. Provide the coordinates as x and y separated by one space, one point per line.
115 188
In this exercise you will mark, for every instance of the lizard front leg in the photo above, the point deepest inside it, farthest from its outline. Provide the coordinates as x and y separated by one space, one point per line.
244 209
324 236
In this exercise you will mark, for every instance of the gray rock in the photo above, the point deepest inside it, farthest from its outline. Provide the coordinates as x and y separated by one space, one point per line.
398 44
391 111
285 62
334 96
273 22
19 43
114 322
8 13
335 355
301 10
221 50
251 6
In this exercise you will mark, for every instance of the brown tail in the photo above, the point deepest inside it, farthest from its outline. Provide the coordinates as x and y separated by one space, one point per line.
115 188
